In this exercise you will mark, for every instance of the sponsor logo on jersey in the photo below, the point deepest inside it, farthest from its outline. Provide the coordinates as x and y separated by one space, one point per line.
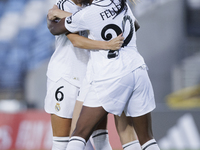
76 78
69 20
57 107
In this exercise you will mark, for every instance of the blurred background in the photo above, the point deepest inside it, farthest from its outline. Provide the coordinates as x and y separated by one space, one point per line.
168 39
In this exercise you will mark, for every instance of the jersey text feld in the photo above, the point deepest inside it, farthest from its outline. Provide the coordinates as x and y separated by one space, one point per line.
109 12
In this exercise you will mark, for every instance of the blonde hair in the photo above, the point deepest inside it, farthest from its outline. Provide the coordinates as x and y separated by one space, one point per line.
134 1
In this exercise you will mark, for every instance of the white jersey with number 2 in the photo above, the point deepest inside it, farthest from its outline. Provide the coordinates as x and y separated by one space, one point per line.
103 24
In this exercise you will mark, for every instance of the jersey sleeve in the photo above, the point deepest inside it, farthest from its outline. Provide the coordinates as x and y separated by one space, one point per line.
68 6
77 22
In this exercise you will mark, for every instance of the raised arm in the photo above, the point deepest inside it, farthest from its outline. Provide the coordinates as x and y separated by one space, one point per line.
57 28
56 13
85 43
56 21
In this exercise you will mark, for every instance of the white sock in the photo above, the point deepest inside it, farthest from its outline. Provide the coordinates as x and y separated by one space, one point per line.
76 143
134 145
89 145
60 143
150 145
101 140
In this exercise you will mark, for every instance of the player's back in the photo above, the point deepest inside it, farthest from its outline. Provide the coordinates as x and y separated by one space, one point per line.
104 23
67 61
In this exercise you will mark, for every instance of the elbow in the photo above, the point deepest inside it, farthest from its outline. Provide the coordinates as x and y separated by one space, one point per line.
50 27
53 31
56 31
76 44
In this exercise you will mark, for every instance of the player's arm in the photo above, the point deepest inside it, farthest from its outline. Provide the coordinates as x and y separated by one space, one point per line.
85 43
57 28
79 41
56 13
56 21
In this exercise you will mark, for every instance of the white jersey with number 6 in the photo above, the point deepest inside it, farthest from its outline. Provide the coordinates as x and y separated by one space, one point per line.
66 71
67 61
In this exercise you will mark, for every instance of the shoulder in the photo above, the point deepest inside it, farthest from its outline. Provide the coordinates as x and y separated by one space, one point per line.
83 11
66 5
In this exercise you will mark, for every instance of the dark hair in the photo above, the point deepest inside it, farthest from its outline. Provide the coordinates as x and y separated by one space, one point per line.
123 6
85 2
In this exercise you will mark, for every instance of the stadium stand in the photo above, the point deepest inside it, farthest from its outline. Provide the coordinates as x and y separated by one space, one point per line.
24 40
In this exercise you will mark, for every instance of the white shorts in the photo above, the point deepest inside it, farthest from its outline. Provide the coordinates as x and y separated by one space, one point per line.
132 94
60 98
84 89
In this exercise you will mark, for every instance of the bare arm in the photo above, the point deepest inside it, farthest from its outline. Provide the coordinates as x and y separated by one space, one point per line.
56 13
85 43
57 28
56 21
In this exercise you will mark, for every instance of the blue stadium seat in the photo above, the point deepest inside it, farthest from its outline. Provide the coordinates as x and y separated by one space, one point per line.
16 6
14 66
28 49
25 37
2 6
4 50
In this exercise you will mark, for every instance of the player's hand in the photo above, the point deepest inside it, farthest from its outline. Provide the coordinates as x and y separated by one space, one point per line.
56 14
53 13
116 43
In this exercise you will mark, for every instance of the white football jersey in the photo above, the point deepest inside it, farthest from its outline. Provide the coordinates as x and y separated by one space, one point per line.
101 20
67 61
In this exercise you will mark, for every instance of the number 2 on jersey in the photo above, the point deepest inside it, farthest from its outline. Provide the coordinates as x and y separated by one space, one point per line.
117 29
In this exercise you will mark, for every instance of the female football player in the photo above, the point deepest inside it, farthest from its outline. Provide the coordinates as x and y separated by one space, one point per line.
126 132
118 80
65 72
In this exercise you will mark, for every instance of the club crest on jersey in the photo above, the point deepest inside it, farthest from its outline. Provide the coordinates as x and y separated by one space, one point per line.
69 20
57 107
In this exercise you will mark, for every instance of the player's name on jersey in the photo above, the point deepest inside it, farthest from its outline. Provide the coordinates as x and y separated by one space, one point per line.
109 12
